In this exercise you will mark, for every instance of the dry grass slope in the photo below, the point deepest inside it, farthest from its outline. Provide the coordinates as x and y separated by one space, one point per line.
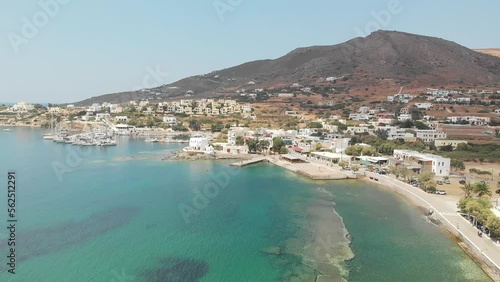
491 51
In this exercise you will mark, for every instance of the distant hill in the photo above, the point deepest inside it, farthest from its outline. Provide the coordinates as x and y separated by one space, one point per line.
491 51
382 57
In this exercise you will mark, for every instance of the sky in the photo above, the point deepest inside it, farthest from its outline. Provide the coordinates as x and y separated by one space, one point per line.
63 51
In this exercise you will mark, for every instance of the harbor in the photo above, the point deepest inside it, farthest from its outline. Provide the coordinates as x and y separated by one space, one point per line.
104 134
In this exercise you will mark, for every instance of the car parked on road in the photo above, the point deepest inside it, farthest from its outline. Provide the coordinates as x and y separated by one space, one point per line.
446 181
440 192
462 181
439 182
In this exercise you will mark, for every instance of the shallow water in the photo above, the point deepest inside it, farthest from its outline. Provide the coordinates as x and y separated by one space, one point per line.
119 213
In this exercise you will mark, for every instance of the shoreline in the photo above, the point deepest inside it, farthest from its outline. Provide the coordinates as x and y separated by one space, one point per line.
486 264
442 223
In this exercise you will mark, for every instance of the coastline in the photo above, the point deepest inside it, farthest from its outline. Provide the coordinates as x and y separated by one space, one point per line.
486 264
471 249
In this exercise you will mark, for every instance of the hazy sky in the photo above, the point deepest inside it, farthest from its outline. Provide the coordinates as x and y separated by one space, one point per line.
69 50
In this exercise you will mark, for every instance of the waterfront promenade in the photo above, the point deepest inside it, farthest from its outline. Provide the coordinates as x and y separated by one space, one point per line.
445 210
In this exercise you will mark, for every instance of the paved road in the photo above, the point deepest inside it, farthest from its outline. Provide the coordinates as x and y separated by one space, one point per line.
446 208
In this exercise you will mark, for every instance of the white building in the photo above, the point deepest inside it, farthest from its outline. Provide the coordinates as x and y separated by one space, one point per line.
307 131
22 107
358 129
54 110
453 143
117 110
438 165
423 106
94 108
339 145
232 149
430 135
472 120
99 117
198 143
121 119
170 120
405 117
360 116
394 133
143 103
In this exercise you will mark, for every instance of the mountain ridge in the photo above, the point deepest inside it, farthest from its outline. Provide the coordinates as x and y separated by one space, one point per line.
382 58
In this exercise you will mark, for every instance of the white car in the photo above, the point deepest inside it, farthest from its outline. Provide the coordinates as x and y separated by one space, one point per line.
440 192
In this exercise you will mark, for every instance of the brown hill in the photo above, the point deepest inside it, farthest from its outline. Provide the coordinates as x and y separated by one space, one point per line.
401 58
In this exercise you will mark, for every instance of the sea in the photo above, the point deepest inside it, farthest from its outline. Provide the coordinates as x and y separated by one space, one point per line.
126 213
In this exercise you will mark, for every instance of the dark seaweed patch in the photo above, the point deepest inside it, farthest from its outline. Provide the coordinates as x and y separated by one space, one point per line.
177 270
44 241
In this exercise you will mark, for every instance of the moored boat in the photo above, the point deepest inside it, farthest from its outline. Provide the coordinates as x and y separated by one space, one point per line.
49 136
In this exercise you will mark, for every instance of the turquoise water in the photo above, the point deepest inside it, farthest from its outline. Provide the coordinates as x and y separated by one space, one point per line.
121 214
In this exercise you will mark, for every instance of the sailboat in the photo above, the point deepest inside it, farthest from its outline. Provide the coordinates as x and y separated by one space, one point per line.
50 135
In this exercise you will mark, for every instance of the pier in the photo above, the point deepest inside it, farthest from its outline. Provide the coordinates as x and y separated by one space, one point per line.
312 169
250 162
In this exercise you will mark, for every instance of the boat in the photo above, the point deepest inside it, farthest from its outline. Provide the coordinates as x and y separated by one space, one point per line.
107 143
59 139
151 140
49 136
68 140
7 130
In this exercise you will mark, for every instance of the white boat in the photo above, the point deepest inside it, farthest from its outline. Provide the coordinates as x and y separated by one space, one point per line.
7 130
108 143
151 140
59 139
49 136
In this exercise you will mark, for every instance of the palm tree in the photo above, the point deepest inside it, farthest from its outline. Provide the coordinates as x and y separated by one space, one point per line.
482 188
468 188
